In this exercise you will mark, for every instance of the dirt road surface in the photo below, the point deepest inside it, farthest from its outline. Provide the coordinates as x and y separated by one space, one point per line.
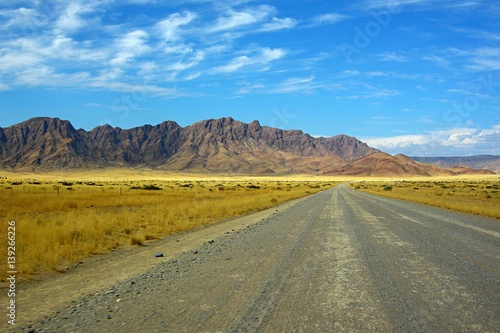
337 261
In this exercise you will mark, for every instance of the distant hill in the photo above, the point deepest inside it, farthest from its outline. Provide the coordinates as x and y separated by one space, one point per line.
488 162
220 145
384 165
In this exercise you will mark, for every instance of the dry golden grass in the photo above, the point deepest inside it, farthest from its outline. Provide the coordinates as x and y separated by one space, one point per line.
61 221
473 195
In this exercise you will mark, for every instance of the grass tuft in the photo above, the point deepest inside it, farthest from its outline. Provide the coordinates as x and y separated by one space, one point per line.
136 240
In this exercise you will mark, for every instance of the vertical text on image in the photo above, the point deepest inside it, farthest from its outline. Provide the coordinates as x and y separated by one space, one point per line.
11 272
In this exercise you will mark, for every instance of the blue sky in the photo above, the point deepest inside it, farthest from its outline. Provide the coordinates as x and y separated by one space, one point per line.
418 77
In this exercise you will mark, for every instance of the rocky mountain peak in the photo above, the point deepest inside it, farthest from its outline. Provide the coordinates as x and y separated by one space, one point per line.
221 145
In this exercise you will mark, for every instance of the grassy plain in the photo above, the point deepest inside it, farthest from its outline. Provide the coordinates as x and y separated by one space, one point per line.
478 195
63 218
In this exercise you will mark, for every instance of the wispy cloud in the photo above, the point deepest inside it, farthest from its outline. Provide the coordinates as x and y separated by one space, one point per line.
422 5
131 45
86 44
249 87
484 59
140 88
350 72
374 4
482 34
469 92
392 74
170 28
183 65
440 61
278 24
237 19
40 75
374 93
22 17
392 56
16 59
377 74
473 59
303 85
159 51
327 18
70 19
260 59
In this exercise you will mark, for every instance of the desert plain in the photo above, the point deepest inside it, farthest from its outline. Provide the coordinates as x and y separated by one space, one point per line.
65 217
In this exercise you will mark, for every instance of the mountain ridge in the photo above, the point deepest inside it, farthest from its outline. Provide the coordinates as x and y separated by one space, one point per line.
213 145
490 162
221 145
381 164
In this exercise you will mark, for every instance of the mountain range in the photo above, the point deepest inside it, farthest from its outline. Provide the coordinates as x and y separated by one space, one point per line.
220 145
488 162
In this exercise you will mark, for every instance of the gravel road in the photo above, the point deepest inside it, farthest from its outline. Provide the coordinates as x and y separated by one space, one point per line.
337 261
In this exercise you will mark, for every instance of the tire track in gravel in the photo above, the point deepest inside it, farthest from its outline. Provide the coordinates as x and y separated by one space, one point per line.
442 266
321 285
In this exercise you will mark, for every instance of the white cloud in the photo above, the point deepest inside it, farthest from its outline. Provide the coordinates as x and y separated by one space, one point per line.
377 74
392 56
247 88
139 88
27 18
301 85
474 59
62 47
297 84
70 19
134 41
234 19
278 24
16 60
374 93
263 57
129 46
192 76
484 59
170 27
351 72
177 49
440 61
42 75
152 51
234 65
457 141
328 18
470 92
180 66
372 4
440 100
